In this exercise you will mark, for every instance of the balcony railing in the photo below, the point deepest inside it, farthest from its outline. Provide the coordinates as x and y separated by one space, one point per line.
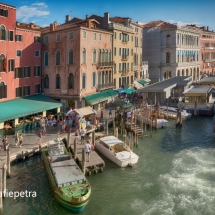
125 72
135 68
120 27
208 48
209 60
105 64
124 57
105 86
124 41
145 63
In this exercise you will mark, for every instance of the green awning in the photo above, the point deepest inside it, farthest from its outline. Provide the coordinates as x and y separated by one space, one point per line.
100 97
129 91
143 82
123 104
29 105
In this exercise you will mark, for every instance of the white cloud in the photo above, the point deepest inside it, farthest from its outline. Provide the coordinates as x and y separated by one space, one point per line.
38 9
180 23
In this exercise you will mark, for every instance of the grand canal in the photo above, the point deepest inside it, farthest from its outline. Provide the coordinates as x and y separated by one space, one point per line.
175 175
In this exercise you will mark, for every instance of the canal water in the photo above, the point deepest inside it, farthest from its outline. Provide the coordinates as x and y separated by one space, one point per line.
175 175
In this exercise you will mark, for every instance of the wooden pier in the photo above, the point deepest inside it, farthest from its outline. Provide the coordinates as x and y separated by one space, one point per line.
95 164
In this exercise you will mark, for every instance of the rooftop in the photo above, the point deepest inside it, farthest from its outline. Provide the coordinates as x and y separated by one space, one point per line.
159 23
163 86
1 3
198 89
207 79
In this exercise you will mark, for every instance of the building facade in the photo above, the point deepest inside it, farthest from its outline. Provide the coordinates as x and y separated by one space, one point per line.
207 52
19 56
171 50
77 60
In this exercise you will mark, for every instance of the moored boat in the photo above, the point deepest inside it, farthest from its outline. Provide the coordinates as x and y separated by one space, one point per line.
68 183
115 150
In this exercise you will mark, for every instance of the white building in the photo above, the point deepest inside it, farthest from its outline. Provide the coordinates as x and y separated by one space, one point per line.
171 50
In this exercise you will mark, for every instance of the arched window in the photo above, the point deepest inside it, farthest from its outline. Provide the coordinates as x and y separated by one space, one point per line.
94 56
57 58
3 90
100 55
46 58
103 55
178 39
2 33
178 56
168 57
178 73
83 81
70 81
168 39
57 81
99 77
3 63
110 56
106 56
71 56
83 56
182 40
94 79
46 82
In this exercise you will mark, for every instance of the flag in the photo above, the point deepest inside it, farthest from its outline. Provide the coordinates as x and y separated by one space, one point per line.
192 58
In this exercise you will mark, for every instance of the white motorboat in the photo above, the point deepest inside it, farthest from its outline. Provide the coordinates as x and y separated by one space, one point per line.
161 123
172 113
115 150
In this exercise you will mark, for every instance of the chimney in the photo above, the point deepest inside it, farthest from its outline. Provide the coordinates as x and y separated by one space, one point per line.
67 18
207 28
89 23
106 20
31 25
53 26
87 16
127 22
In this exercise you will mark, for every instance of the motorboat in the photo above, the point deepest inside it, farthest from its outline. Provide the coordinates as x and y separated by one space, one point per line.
115 150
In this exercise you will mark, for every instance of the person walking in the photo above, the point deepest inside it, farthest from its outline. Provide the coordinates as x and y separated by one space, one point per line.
6 146
39 137
16 138
20 140
82 136
88 150
110 111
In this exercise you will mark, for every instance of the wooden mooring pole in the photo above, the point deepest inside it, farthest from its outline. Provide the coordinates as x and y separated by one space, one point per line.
4 174
83 161
68 139
1 204
116 132
8 163
114 127
75 148
106 127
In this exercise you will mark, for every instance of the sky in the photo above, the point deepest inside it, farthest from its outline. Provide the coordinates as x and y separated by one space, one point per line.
43 13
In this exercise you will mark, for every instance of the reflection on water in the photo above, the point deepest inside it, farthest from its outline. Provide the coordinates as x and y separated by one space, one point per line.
175 175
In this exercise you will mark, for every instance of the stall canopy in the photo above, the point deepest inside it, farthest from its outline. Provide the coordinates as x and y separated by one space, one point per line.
120 90
129 91
100 97
29 105
84 111
143 82
123 104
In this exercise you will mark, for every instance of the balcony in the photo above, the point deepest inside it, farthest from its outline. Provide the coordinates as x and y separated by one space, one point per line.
209 60
209 48
124 57
120 27
135 68
105 86
124 41
145 63
125 72
105 64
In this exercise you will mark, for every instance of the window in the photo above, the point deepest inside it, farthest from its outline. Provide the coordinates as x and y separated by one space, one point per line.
114 68
84 56
94 79
3 12
46 39
10 35
37 88
94 36
120 36
110 38
19 38
120 67
3 63
26 90
84 35
168 39
36 53
3 90
57 81
115 35
27 72
2 33
114 51
132 38
83 81
11 64
58 38
71 37
37 39
37 71
119 51
57 58
46 82
132 52
71 56
167 57
70 81
18 53
110 56
18 72
19 92
46 58
100 37
94 56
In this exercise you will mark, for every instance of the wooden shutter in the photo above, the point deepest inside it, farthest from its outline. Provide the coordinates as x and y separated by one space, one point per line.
5 91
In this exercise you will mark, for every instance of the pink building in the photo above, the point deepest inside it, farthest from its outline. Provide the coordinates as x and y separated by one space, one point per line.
77 60
19 56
